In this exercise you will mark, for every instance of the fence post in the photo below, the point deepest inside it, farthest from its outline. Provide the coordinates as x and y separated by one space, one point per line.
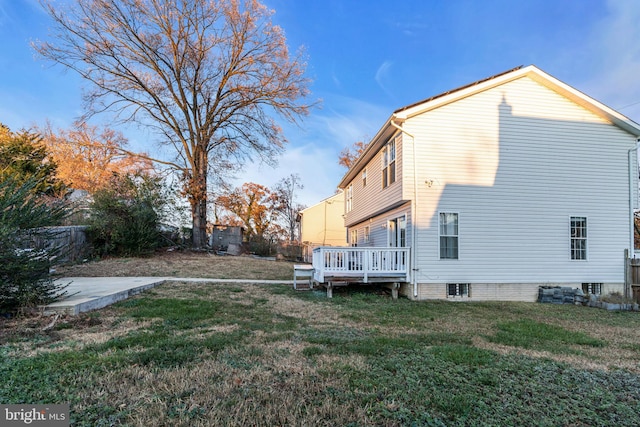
627 274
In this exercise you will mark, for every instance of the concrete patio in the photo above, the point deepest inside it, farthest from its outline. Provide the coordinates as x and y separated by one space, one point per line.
93 293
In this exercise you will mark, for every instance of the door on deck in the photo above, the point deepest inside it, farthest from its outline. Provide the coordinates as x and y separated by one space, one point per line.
397 238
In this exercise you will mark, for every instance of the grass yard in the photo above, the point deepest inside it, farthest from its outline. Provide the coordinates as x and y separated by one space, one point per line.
182 264
188 354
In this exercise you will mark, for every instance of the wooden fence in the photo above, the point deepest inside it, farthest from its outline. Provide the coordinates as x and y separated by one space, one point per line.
632 277
69 241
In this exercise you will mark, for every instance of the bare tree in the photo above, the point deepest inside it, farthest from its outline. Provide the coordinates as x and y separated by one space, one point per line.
286 207
208 75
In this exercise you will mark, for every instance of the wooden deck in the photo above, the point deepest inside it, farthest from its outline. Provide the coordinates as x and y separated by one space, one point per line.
339 266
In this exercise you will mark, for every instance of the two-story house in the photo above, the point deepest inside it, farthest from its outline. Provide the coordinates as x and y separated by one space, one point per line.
495 189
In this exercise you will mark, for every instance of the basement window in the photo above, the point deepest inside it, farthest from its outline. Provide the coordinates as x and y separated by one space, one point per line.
458 290
592 288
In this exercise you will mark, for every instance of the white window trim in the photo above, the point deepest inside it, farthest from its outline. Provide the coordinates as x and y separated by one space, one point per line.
386 161
364 177
367 234
586 239
440 235
348 205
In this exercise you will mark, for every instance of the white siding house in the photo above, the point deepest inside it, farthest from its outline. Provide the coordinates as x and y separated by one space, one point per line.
499 187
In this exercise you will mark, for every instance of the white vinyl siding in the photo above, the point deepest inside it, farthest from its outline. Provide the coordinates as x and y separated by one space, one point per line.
369 200
520 159
378 228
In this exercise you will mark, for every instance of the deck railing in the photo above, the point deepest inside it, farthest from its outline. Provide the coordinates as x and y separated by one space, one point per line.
360 263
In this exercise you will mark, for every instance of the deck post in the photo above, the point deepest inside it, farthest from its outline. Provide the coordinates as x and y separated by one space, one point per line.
394 290
365 266
329 290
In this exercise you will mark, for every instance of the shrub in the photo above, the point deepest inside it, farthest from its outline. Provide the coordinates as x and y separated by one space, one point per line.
124 216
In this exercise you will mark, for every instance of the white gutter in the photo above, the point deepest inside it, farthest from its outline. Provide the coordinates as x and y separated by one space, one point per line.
633 172
414 203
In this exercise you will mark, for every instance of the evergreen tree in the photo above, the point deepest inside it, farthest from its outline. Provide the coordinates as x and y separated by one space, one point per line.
24 272
24 157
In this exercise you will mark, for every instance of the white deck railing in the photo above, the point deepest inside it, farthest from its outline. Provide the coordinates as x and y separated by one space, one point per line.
360 263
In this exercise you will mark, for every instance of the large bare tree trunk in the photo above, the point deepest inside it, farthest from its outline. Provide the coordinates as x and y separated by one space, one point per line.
198 199
199 217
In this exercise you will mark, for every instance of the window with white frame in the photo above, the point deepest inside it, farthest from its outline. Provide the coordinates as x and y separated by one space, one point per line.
353 237
364 177
592 288
448 229
578 238
367 234
458 290
389 163
349 198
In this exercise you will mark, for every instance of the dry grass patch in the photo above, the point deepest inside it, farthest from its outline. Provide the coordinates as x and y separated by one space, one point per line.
276 386
183 264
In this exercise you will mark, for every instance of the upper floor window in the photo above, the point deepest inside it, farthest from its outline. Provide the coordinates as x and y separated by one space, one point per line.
364 177
389 163
578 238
349 198
448 235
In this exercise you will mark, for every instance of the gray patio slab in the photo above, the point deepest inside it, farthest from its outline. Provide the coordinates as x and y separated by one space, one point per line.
93 293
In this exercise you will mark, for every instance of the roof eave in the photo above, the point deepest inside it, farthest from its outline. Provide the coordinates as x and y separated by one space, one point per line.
367 154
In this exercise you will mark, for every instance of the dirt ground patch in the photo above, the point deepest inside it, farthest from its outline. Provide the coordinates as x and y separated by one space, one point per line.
183 264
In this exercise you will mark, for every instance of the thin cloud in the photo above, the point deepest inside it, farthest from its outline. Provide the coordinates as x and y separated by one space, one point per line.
382 76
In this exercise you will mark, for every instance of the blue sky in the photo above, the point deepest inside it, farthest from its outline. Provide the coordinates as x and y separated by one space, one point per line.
368 58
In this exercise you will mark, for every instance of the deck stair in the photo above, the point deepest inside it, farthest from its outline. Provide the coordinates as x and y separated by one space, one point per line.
302 277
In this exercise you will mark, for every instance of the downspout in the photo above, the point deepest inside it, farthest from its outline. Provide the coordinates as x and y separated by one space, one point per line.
633 172
414 203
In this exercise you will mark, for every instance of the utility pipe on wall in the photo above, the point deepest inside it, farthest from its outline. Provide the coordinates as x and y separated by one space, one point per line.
414 203
633 173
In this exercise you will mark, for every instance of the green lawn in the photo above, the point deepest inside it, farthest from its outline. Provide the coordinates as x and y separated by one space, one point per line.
201 354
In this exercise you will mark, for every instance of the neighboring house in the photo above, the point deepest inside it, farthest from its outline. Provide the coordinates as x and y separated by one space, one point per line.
323 225
497 188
